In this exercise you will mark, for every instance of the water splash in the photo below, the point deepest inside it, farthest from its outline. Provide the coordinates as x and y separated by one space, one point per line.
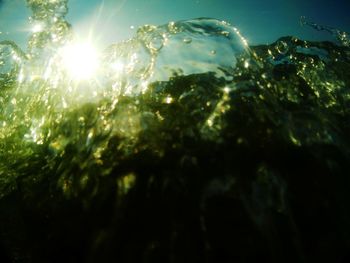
11 59
180 110
175 49
49 27
166 85
341 36
45 106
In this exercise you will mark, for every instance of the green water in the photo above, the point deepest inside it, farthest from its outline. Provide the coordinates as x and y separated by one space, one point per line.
186 98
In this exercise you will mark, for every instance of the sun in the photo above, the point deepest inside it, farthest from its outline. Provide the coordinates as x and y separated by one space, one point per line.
80 60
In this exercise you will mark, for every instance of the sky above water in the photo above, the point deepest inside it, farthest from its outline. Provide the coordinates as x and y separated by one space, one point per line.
260 21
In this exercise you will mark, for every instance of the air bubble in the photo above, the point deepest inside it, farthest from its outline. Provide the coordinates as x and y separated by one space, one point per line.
156 43
187 40
10 58
282 47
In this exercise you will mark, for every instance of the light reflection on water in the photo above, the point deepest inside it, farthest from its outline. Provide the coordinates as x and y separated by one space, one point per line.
64 93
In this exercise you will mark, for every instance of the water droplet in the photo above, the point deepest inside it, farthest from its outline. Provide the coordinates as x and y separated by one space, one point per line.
302 20
227 90
156 43
294 140
187 40
282 47
168 100
246 64
173 29
225 33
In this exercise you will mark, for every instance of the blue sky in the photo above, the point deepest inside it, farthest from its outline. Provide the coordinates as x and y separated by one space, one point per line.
260 21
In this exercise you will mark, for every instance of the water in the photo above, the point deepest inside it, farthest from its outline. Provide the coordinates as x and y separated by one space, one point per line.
341 36
41 94
184 95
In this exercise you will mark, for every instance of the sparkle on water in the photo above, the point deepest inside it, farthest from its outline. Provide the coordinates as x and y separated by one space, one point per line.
60 74
65 94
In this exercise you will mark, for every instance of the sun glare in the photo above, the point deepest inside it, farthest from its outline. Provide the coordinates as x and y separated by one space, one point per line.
80 61
37 28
